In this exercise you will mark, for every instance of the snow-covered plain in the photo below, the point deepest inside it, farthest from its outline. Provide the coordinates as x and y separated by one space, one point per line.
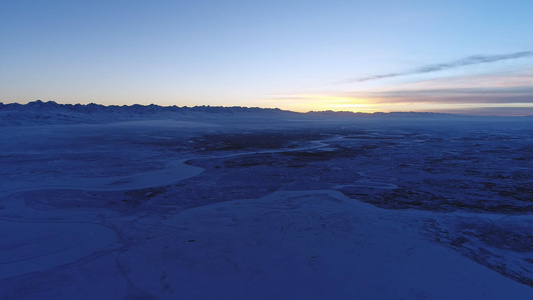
263 205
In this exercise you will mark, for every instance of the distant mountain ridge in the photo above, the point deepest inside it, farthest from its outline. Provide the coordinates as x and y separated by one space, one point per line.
39 105
49 106
52 113
49 113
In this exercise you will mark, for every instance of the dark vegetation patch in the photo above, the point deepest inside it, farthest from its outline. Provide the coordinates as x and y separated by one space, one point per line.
515 238
498 246
269 160
318 155
443 199
254 140
403 198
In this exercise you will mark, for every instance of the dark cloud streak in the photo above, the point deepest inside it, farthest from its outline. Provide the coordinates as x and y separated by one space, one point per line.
471 60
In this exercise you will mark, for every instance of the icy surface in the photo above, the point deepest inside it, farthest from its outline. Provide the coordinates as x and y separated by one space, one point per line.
264 205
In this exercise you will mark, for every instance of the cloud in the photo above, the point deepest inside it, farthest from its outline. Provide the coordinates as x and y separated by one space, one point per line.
471 60
525 92
491 111
500 95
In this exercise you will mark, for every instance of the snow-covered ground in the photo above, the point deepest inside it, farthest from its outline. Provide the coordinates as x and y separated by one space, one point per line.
276 206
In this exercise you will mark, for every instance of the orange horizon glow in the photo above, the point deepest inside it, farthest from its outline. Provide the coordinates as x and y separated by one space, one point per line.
306 103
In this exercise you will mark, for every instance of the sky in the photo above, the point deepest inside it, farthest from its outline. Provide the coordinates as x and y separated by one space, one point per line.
467 56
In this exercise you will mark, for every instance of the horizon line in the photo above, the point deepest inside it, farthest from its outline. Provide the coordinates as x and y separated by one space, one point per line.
267 108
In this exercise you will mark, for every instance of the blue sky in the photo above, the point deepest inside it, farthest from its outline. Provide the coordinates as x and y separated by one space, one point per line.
297 55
